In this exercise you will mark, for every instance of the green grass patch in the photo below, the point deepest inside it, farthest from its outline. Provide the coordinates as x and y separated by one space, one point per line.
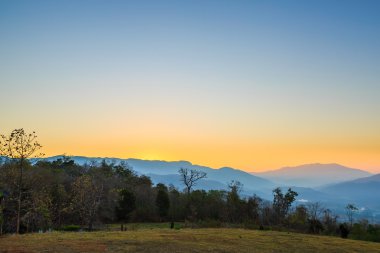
155 239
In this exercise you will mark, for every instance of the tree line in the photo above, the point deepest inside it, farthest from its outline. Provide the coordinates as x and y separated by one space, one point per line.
57 194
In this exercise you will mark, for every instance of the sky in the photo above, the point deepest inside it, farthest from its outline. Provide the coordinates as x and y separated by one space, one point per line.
254 85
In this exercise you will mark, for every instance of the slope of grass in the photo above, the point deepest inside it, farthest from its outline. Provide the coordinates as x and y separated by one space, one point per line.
184 240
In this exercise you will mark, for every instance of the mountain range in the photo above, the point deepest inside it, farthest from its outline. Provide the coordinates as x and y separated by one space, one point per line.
167 172
363 191
331 184
313 175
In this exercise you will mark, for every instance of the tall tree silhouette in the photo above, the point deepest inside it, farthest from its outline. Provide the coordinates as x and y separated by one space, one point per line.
162 200
19 146
350 211
282 202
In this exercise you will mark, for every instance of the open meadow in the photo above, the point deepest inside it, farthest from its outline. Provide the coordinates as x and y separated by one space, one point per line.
181 240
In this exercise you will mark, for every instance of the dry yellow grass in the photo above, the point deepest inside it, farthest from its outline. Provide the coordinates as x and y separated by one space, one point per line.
184 240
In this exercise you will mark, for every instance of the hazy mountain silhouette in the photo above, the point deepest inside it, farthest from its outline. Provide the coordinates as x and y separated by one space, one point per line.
163 171
340 185
362 191
374 178
313 175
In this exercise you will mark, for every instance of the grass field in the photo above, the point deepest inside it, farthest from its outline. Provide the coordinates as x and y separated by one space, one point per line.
182 240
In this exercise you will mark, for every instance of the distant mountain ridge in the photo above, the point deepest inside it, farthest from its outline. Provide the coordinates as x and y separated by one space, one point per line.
313 175
363 191
167 172
374 178
304 176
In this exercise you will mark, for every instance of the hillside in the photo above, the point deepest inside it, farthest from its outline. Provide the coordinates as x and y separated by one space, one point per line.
313 175
183 240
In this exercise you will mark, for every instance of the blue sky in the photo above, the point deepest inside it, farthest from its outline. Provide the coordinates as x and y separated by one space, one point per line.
233 75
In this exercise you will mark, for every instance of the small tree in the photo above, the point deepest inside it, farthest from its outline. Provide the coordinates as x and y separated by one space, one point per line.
329 221
126 204
351 209
87 195
315 211
191 177
234 203
19 146
282 203
299 218
253 208
162 200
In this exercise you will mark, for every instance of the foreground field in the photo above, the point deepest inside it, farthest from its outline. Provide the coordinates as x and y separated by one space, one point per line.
184 240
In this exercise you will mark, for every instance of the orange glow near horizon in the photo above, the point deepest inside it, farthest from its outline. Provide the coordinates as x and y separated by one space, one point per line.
210 138
244 154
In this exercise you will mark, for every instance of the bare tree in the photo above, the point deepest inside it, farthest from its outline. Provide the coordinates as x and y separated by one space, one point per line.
235 186
329 220
87 196
351 209
315 210
19 146
190 177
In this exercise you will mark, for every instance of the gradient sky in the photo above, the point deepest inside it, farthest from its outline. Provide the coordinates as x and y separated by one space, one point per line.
255 85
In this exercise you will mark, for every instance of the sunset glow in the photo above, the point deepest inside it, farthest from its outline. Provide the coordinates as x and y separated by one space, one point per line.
251 86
